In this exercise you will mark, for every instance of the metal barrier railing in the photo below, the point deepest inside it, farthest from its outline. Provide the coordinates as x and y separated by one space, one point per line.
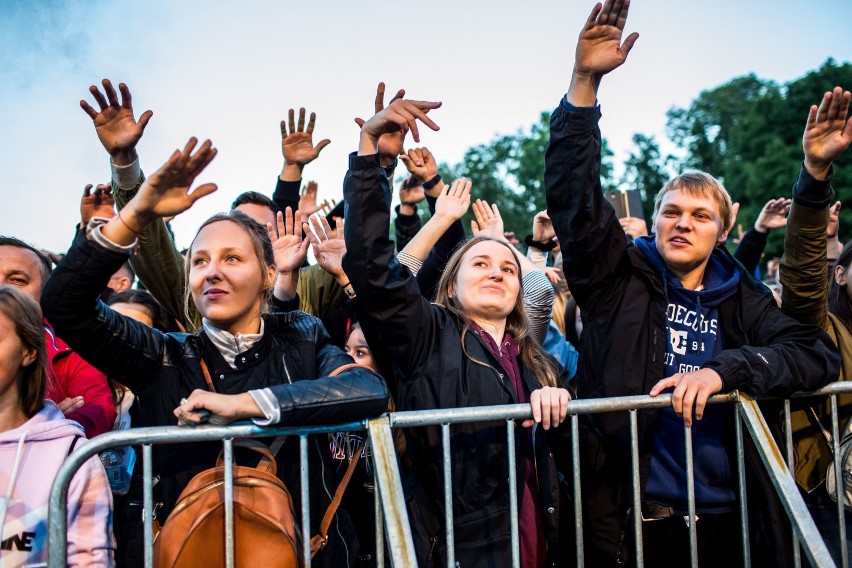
391 513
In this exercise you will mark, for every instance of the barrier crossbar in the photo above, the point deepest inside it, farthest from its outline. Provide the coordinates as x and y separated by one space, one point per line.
393 532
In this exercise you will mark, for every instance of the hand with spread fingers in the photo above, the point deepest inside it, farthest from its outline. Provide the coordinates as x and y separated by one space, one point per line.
328 246
773 215
213 408
308 200
691 391
117 129
297 144
289 248
828 132
549 407
454 200
600 49
542 230
99 203
391 144
165 193
488 222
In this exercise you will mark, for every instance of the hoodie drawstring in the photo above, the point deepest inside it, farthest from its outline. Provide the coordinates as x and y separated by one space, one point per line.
19 453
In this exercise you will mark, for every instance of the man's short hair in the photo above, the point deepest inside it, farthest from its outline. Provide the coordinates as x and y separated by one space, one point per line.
45 265
254 198
699 184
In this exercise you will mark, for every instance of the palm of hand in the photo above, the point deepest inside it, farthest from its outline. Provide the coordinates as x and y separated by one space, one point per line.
287 252
413 195
167 192
329 254
298 148
117 129
391 144
825 141
92 206
543 231
453 206
599 49
308 204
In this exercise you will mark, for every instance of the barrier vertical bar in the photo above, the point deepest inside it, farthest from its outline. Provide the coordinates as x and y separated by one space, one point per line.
741 482
448 497
306 505
839 482
637 496
788 442
690 496
228 457
513 494
380 524
578 504
147 506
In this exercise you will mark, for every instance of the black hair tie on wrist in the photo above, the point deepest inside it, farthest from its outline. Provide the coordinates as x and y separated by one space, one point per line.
432 182
546 247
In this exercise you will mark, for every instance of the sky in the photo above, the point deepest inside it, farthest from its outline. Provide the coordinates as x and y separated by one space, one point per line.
230 71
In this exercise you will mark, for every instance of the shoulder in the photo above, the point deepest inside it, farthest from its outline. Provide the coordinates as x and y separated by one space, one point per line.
295 326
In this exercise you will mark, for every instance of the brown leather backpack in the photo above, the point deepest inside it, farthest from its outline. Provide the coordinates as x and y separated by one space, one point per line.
264 520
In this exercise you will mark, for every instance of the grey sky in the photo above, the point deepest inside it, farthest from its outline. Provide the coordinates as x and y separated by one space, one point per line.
230 72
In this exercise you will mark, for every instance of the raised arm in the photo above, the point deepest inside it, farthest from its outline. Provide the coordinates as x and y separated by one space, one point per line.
804 265
452 204
158 264
589 233
113 343
297 147
751 245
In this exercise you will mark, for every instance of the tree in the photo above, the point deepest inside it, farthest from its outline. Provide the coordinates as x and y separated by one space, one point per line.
646 170
509 171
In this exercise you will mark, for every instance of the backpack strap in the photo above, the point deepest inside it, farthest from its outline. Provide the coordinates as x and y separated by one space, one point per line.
206 372
319 541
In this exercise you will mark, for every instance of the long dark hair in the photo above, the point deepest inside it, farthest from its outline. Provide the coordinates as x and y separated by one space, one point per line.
532 355
839 303
25 314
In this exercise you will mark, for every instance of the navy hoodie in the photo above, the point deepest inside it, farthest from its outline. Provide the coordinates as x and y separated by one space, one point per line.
694 337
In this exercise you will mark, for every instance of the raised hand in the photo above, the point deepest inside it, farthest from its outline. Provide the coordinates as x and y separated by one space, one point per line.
166 192
454 200
396 119
308 200
420 163
634 226
297 145
411 192
328 246
488 222
289 248
773 215
390 145
553 273
833 221
115 125
599 47
98 204
828 132
542 230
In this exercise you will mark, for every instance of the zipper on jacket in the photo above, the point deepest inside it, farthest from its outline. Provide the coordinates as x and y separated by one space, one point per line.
434 540
654 350
286 370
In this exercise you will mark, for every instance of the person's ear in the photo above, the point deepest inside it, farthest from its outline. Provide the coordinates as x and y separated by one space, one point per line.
271 276
840 275
30 355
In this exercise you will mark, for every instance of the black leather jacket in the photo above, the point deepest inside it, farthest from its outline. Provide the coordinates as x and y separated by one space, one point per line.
434 367
293 359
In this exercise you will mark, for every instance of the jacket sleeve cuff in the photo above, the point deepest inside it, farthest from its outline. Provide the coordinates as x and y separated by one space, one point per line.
357 162
94 232
811 192
413 263
268 404
571 108
126 177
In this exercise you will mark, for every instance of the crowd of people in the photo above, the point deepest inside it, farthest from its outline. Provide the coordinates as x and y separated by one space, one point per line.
126 330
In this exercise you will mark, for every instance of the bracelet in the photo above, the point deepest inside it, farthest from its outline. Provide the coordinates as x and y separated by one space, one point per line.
349 291
432 182
129 228
545 247
345 285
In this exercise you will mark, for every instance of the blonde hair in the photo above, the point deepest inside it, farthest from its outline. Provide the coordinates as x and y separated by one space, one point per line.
699 184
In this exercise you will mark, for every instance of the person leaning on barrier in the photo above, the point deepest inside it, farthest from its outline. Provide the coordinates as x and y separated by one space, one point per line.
35 438
272 367
670 311
471 348
804 271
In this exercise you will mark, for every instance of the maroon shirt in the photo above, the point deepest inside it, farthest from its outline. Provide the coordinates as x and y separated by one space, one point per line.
533 542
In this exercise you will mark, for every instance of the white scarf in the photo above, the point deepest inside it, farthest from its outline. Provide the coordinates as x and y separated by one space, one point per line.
228 344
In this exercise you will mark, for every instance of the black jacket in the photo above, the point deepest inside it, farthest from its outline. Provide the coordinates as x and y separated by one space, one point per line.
624 338
294 359
434 367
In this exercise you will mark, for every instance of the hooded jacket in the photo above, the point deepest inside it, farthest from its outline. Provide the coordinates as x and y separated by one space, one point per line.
30 457
623 299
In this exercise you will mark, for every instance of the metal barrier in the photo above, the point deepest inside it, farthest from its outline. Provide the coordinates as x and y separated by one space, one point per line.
391 513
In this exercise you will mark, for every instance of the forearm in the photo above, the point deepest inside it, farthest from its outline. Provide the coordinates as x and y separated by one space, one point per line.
751 248
285 285
804 266
583 90
538 301
286 194
425 239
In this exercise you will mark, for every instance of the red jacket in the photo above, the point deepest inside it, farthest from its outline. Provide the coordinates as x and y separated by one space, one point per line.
71 376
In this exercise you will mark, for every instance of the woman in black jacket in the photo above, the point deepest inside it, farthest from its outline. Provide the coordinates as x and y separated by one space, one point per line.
471 348
276 365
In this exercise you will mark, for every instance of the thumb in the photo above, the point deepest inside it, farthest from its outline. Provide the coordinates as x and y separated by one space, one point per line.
143 120
474 227
322 144
359 122
203 190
